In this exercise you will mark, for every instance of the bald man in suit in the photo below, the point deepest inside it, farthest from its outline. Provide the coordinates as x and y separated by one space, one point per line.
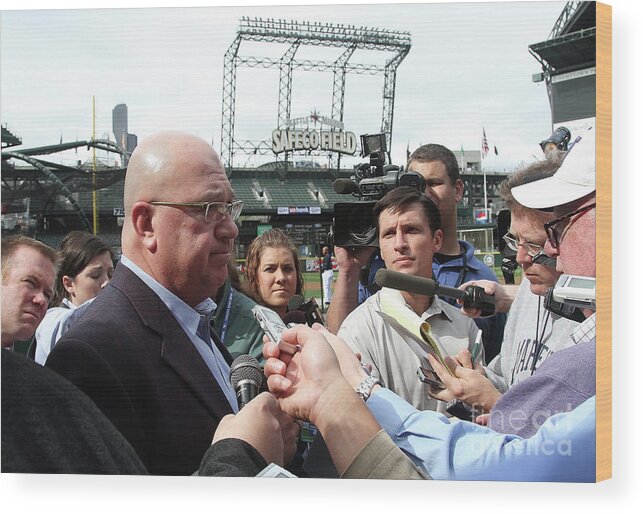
141 351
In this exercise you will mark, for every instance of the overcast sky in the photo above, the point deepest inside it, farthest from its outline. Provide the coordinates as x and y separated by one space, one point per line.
469 67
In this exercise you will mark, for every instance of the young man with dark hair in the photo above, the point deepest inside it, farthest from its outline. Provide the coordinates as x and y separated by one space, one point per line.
385 329
455 263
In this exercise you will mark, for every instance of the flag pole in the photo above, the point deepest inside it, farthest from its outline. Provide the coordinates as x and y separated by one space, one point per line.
462 158
94 192
484 181
485 150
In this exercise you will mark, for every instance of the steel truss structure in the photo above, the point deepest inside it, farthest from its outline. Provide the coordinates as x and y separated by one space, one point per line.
297 34
49 180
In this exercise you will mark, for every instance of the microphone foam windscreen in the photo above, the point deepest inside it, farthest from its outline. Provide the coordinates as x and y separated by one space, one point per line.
297 317
405 282
245 367
295 302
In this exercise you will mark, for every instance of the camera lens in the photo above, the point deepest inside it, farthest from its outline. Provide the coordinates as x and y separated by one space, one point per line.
353 225
559 139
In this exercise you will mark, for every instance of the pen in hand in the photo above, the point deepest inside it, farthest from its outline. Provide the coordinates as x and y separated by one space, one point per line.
477 346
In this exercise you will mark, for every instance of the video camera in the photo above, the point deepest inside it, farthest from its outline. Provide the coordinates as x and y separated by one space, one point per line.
353 224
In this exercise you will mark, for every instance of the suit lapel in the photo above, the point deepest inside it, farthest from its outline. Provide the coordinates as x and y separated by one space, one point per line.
177 349
179 353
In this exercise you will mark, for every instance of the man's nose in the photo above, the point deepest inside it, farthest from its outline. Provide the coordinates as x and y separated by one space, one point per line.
430 192
522 256
226 229
400 240
550 250
40 299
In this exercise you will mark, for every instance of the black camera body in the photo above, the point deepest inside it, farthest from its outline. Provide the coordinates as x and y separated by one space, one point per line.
559 139
462 410
353 223
562 309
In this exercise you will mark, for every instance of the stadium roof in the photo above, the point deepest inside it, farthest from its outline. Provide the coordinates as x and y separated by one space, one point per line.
571 51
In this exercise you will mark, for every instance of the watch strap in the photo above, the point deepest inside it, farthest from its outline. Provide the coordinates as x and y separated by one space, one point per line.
366 386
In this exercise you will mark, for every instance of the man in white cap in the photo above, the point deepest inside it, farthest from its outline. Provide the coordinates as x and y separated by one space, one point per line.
568 377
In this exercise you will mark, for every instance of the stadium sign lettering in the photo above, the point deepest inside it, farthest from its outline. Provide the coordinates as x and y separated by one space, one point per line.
284 140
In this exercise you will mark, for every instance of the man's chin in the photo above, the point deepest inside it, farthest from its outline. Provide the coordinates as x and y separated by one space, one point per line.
538 289
26 332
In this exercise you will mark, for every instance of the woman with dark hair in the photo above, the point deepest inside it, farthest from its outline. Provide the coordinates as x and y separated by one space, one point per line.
86 266
273 274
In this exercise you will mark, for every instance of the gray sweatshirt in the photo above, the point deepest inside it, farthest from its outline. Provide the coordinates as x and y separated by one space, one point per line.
526 325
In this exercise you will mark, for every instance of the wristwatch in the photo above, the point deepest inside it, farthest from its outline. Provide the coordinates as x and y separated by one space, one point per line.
366 386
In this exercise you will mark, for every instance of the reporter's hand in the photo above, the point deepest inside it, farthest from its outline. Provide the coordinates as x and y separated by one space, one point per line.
263 425
463 358
483 420
299 381
467 385
489 287
352 258
349 361
504 295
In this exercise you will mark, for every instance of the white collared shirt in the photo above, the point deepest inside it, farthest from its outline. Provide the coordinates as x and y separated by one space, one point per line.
393 351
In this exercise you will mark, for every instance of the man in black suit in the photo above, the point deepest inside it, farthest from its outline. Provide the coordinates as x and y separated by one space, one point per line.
140 351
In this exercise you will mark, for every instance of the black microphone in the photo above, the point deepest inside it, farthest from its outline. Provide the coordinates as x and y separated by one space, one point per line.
295 303
405 282
295 317
472 297
313 312
345 186
310 309
246 378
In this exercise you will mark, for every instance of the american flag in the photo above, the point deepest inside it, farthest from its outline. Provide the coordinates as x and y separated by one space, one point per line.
485 146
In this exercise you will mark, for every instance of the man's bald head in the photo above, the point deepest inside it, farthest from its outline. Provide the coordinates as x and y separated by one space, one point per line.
170 176
155 166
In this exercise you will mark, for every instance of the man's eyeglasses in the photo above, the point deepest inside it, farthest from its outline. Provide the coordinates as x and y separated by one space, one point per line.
554 234
532 249
213 211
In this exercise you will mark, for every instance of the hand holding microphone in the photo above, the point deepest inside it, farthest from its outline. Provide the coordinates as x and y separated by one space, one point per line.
473 297
260 421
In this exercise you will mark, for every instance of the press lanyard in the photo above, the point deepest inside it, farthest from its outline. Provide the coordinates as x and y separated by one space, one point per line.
224 329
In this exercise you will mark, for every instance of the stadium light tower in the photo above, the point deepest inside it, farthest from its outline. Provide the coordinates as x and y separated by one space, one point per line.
297 34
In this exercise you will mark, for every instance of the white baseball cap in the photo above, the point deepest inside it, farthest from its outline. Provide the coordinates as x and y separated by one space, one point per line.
575 178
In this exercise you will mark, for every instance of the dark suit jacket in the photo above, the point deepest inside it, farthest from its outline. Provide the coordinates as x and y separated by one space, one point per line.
129 354
49 426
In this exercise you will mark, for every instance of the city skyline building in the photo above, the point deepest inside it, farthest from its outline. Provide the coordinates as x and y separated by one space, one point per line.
121 132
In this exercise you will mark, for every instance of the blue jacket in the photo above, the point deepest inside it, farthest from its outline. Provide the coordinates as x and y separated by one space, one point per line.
563 449
450 274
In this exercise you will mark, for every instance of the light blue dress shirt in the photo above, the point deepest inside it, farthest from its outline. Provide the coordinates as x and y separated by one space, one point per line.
563 449
189 319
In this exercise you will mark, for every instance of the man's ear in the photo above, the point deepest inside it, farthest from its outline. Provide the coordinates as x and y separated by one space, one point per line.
437 240
459 190
142 214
